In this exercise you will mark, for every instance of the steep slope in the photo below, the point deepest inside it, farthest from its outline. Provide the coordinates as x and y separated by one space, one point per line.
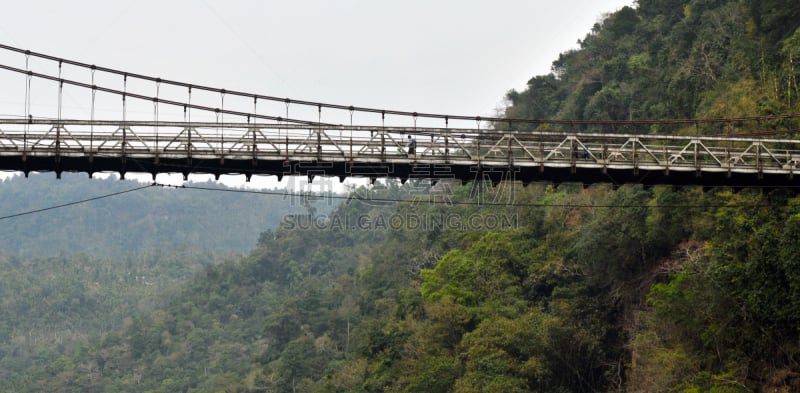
588 290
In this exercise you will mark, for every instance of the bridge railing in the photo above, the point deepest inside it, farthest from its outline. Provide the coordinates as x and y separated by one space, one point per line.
270 142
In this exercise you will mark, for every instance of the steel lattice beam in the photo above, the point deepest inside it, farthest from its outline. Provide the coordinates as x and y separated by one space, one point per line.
344 151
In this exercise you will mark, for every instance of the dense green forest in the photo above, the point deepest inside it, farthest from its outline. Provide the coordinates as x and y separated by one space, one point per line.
551 289
70 273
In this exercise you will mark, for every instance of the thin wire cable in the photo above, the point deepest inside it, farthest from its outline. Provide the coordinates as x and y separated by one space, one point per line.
28 116
406 113
59 126
147 98
91 128
60 93
219 129
460 203
76 202
221 126
351 134
361 199
155 113
384 112
124 93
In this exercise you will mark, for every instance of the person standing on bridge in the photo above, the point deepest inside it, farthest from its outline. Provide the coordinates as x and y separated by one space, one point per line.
412 144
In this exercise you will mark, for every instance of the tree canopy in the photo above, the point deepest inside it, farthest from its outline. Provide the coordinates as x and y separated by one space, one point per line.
586 289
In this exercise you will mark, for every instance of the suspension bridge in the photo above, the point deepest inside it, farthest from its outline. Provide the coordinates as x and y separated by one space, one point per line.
268 141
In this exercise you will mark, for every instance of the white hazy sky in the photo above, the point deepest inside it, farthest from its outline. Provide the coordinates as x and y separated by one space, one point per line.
456 57
450 56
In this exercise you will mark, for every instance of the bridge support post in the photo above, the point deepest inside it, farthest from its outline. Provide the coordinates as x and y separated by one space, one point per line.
573 156
541 160
759 166
58 145
188 146
319 145
446 147
728 163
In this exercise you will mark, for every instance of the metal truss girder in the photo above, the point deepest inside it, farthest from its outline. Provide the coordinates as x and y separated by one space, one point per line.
387 145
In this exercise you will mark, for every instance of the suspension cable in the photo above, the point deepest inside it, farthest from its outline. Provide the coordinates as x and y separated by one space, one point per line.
287 101
255 127
351 132
185 105
155 112
221 129
60 93
216 117
58 123
406 113
91 116
255 110
124 115
124 93
27 105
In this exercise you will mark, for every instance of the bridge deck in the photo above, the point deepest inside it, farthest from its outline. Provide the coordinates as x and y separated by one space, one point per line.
345 151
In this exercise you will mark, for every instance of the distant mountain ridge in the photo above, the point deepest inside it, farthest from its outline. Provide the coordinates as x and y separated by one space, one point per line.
146 219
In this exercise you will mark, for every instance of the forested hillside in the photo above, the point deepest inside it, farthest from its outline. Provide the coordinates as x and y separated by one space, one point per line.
545 288
144 220
71 273
589 290
667 59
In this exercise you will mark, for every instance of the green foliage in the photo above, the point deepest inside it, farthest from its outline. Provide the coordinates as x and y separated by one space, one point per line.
557 304
672 59
727 303
595 289
489 271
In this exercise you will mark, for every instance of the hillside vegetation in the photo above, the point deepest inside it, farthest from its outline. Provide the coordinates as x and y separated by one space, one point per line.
140 221
597 289
75 272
